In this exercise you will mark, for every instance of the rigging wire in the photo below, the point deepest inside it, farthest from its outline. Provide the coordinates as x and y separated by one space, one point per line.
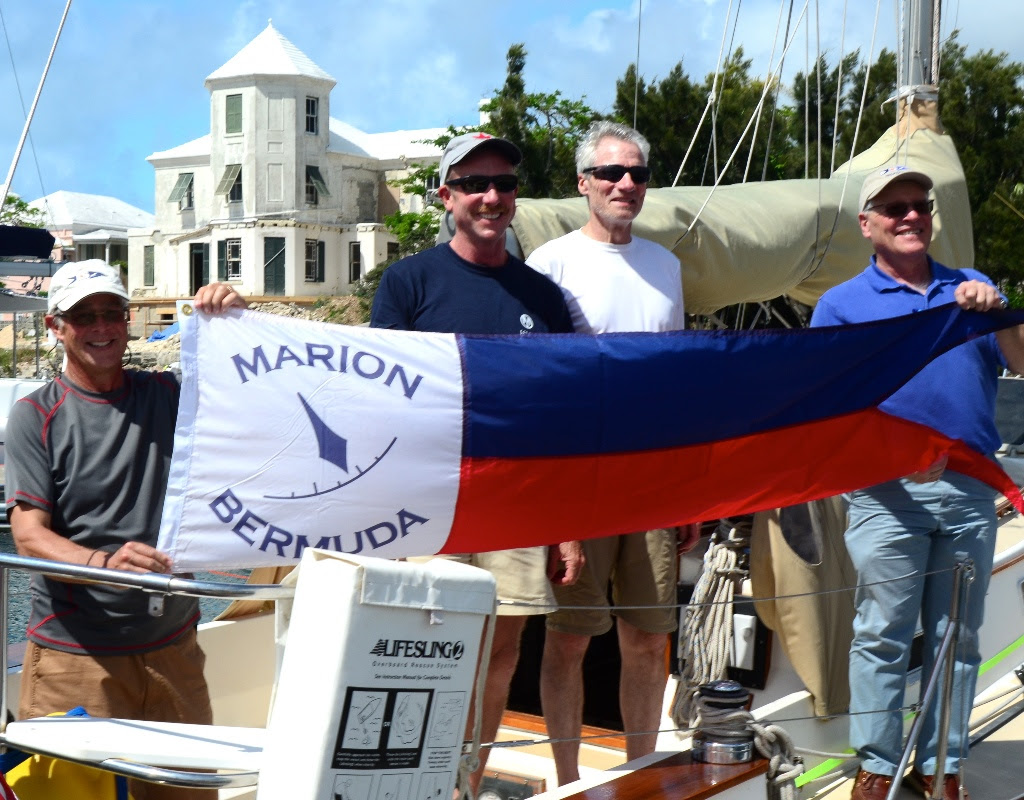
853 145
636 73
24 111
775 100
839 90
743 135
757 125
35 101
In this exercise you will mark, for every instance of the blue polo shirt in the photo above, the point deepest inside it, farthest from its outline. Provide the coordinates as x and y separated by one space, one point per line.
955 393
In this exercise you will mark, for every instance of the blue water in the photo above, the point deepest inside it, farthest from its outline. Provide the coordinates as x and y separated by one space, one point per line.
17 616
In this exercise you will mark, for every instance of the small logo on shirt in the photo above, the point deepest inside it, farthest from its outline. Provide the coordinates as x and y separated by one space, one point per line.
526 321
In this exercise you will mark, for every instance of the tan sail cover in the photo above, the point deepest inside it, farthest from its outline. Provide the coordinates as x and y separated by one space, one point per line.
757 241
798 561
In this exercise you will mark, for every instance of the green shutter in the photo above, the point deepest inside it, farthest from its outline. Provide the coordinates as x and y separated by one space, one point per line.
181 187
231 172
222 260
320 251
313 176
233 113
149 266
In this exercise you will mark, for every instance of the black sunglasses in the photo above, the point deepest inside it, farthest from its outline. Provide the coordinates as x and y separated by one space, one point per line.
899 209
614 173
478 184
84 318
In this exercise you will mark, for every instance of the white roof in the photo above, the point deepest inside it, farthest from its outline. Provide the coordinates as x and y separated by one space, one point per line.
345 139
74 210
386 146
270 53
196 149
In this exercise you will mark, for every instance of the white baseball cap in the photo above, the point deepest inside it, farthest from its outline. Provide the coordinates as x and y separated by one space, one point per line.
80 279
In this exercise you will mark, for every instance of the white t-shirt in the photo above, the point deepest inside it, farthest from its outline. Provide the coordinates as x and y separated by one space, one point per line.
614 287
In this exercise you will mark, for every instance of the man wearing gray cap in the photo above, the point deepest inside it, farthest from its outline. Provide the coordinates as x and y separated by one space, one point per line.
88 456
905 536
471 284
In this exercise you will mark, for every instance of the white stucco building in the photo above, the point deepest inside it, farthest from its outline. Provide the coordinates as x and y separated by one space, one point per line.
278 198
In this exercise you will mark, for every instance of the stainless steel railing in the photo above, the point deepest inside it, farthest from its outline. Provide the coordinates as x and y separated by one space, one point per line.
158 586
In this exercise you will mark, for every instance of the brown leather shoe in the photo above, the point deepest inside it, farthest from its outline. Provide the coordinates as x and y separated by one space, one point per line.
870 786
923 784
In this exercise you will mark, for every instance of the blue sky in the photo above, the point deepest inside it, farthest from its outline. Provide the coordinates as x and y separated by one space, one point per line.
127 76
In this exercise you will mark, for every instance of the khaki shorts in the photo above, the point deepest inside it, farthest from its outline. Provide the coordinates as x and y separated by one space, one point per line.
521 577
641 568
165 685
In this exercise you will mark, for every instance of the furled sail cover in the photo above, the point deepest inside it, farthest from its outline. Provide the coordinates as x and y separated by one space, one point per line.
757 241
294 434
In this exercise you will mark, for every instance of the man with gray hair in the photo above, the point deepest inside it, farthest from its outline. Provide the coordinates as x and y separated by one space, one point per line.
613 281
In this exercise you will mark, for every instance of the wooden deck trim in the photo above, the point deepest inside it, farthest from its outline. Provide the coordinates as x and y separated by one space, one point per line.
678 777
602 737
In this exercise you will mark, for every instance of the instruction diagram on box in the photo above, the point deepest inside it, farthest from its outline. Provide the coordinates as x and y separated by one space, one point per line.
446 728
383 728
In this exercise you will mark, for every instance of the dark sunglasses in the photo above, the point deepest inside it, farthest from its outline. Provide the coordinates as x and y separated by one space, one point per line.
614 173
84 318
899 209
478 184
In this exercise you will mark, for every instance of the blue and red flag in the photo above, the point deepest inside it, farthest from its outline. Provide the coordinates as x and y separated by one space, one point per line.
295 434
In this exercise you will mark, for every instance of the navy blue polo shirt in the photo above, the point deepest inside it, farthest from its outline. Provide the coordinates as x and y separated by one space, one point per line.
955 393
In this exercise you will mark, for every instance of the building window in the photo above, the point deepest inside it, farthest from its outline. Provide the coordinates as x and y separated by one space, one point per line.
314 261
355 266
148 266
316 187
231 183
392 251
312 115
233 113
229 259
182 192
431 184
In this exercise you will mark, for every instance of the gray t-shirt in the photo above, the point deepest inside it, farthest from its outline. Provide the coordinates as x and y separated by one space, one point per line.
98 463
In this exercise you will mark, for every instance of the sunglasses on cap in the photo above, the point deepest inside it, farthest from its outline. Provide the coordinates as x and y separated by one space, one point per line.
614 173
478 184
899 208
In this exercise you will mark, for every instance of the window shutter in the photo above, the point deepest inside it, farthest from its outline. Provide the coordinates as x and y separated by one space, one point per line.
320 251
149 268
233 113
222 260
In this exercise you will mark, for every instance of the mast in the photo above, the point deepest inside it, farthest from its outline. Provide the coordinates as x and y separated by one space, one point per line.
919 59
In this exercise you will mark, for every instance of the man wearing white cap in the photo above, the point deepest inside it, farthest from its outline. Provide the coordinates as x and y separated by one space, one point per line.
471 284
905 536
87 463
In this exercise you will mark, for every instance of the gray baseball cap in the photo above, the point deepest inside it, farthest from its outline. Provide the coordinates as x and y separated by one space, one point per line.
879 179
461 146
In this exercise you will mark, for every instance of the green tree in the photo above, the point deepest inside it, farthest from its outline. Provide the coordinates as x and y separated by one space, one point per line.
16 211
981 101
546 126
670 114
